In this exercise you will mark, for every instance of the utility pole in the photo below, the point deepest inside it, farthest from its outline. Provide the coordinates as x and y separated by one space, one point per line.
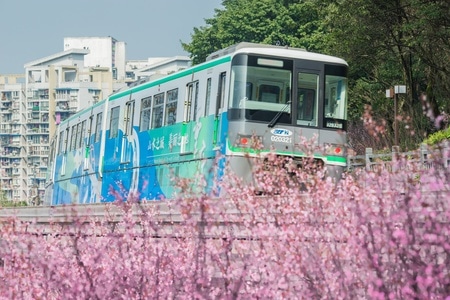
392 93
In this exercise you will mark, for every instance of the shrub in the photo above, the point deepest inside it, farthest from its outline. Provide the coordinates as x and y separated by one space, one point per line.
6 203
438 137
379 235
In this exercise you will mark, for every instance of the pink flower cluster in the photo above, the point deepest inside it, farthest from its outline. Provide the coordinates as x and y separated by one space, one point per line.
294 234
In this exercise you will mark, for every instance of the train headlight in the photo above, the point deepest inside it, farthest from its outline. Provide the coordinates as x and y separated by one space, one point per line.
335 149
248 141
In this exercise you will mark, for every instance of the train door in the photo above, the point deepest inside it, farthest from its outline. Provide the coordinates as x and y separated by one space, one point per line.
89 142
127 139
306 105
64 149
220 104
190 115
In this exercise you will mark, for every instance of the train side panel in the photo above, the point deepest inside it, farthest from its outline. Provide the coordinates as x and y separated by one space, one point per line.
75 177
146 163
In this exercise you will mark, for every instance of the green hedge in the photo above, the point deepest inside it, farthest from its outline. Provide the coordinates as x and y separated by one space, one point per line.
5 203
438 137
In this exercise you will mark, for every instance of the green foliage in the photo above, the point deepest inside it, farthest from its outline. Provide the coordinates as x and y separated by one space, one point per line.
6 203
385 42
292 23
395 42
438 137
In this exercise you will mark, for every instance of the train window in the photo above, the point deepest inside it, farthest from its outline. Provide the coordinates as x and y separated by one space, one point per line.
191 109
241 90
98 127
171 107
335 97
73 137
146 110
82 133
158 110
308 85
78 136
114 122
269 93
221 93
196 112
208 96
61 142
89 130
128 119
66 139
188 103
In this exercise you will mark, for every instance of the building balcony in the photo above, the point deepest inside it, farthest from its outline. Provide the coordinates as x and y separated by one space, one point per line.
12 154
62 98
38 153
37 131
37 120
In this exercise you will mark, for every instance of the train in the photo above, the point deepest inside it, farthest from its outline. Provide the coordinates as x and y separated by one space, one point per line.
139 140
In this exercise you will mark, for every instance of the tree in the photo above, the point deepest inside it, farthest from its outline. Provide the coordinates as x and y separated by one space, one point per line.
291 23
385 42
395 42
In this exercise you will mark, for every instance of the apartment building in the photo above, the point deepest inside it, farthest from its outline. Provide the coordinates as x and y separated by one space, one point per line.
105 52
13 177
52 89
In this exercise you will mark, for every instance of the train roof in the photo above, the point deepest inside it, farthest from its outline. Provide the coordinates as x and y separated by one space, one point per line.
218 58
281 51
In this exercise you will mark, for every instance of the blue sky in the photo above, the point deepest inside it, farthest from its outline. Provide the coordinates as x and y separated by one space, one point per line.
32 29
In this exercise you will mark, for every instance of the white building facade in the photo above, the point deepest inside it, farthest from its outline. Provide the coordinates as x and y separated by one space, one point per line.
104 52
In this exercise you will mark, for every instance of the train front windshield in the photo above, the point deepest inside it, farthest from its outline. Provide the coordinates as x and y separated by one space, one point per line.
302 93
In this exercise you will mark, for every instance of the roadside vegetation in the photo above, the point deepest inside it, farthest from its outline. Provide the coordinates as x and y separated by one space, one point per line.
377 234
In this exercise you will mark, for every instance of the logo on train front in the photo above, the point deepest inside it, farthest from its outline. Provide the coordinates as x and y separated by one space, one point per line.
281 132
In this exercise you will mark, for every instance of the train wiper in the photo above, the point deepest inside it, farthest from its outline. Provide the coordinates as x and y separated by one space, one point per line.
278 115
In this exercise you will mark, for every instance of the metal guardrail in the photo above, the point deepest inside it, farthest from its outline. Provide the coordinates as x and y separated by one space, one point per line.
72 213
165 211
425 155
166 218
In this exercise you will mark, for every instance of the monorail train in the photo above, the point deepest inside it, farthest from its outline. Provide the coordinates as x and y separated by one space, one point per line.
139 139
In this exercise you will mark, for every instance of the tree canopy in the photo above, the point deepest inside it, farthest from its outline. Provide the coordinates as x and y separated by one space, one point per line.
291 23
386 42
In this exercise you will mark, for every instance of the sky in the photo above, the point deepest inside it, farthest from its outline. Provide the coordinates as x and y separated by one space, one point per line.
33 29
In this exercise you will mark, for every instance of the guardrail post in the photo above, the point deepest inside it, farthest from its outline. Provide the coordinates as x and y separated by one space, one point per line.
423 155
394 157
446 153
369 154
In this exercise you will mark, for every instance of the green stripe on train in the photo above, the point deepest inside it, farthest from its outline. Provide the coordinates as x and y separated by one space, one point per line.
171 77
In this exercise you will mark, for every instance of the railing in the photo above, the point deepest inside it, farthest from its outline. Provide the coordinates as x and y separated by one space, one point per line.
425 155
